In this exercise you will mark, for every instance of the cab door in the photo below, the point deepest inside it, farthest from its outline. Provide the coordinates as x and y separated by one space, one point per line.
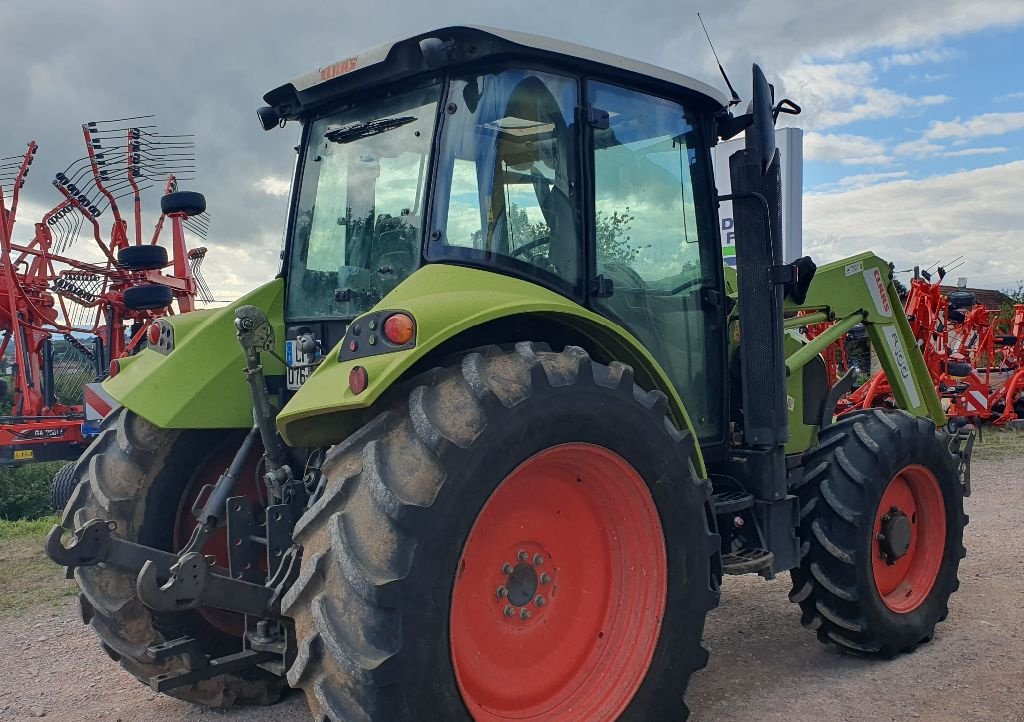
656 252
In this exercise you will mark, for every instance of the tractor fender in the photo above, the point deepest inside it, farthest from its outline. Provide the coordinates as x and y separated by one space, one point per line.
199 384
454 308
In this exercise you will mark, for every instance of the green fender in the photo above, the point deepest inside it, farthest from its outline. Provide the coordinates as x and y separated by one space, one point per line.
445 301
201 383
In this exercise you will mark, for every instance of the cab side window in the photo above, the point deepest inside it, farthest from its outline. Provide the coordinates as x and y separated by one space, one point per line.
653 241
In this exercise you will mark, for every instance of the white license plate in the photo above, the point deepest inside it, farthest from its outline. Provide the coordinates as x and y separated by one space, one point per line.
295 376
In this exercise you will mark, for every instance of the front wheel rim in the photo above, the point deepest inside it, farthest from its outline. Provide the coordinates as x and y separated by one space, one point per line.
560 591
909 539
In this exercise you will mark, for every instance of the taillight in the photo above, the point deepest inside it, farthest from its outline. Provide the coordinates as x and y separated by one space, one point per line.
153 334
358 379
398 329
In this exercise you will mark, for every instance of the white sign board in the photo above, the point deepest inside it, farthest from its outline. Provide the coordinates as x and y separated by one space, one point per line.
790 142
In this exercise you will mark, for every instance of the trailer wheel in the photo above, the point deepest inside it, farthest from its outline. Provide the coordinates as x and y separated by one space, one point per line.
961 299
524 538
142 258
62 485
190 203
148 297
135 474
882 521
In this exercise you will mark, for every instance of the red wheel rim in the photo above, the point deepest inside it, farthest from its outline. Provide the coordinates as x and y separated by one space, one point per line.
248 486
560 592
905 580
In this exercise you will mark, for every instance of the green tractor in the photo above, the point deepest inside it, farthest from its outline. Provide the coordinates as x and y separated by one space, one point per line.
486 446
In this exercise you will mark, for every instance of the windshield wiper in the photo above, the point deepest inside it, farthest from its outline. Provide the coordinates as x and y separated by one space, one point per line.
371 127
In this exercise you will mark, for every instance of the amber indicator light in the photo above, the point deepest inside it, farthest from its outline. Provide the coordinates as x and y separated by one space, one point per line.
398 329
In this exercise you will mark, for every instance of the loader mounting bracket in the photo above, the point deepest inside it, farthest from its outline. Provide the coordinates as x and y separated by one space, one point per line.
961 446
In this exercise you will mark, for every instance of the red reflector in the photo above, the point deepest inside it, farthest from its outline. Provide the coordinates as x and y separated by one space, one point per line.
115 368
358 380
398 329
153 334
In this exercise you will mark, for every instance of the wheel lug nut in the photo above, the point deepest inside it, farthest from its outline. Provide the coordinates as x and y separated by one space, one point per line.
506 568
501 592
540 601
894 508
509 611
523 556
538 559
545 578
880 537
886 517
525 614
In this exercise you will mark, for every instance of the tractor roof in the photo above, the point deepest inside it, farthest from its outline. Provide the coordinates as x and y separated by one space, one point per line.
454 46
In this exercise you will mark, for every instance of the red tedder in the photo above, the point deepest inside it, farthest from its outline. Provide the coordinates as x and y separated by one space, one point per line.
975 356
66 319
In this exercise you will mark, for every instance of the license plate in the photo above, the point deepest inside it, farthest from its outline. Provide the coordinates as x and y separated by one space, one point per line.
22 454
295 376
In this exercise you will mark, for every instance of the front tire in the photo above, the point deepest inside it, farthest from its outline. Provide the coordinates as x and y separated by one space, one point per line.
882 520
428 534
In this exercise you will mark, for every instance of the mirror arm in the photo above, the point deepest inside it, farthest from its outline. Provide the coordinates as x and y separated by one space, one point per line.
729 126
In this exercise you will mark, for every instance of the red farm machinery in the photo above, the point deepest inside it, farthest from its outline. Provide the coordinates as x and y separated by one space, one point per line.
974 354
69 309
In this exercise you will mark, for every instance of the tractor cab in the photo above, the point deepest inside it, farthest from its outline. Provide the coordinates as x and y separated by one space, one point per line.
584 173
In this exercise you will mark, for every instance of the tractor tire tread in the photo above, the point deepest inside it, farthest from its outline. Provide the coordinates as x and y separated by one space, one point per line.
852 455
111 481
360 537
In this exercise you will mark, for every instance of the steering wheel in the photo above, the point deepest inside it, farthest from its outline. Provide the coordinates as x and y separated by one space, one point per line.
687 285
526 248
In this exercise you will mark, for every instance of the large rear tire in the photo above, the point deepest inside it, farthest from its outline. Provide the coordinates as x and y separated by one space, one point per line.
524 535
882 521
136 474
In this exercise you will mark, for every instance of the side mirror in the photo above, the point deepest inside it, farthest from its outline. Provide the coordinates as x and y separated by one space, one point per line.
760 135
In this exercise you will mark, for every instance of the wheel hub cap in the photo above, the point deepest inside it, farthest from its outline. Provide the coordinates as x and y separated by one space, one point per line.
909 539
559 594
894 539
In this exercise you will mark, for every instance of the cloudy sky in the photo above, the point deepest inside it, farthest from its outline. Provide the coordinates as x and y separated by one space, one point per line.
914 110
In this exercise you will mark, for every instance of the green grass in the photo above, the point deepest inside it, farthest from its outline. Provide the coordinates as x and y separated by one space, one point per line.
27 577
25 490
998 445
27 527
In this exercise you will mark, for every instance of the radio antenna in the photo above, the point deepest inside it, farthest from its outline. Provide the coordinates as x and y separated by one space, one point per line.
735 96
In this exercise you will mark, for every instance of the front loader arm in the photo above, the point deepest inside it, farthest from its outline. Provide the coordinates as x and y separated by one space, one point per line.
859 289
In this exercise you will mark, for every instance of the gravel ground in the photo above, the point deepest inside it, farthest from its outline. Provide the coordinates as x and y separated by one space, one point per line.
764 666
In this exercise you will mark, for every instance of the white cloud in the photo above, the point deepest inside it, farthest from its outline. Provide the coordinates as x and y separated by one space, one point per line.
993 150
974 213
836 94
273 185
917 148
923 148
1008 97
862 180
979 125
844 148
917 57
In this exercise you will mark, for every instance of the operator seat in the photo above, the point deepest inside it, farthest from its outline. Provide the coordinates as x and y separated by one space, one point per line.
551 145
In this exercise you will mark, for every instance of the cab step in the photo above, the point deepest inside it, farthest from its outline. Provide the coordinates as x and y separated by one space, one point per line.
731 502
748 561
